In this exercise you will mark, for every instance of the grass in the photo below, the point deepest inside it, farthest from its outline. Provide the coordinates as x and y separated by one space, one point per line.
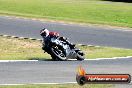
21 49
105 52
61 86
82 11
15 49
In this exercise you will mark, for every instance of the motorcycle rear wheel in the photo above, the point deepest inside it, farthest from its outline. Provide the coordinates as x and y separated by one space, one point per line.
80 56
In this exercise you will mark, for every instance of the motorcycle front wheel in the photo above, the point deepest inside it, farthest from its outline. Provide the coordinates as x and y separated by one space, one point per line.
58 54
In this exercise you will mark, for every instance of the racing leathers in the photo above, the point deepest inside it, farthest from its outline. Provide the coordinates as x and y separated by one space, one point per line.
54 35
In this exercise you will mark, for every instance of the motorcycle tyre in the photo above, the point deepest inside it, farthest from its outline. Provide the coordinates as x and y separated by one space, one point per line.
80 57
57 57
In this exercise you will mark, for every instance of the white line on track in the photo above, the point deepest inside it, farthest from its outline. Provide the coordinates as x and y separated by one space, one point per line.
44 84
18 60
110 58
69 59
40 83
106 58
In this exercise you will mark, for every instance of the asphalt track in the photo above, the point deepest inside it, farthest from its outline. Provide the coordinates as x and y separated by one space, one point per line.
76 33
59 71
63 71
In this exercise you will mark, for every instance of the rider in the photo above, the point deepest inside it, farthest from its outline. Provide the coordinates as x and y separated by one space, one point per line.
47 35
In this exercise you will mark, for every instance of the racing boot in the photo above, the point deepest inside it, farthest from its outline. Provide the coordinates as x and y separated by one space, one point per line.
72 46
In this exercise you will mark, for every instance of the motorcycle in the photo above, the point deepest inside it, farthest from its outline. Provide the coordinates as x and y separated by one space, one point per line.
61 51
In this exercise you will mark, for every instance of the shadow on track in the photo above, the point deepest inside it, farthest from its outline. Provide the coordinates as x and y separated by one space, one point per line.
45 59
41 59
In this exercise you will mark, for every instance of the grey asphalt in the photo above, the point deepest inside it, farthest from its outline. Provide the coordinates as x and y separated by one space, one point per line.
59 71
63 71
76 33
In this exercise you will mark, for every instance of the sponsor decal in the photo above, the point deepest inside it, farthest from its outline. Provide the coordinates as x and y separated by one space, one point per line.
82 78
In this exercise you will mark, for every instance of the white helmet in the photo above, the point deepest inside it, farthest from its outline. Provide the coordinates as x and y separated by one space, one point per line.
44 32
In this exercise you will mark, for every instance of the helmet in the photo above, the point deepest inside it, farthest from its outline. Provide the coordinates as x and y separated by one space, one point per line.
44 32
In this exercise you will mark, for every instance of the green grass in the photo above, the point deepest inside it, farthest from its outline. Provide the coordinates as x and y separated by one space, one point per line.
105 52
21 49
15 49
61 86
83 11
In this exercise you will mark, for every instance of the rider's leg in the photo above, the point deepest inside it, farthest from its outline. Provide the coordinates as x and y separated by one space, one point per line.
69 43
